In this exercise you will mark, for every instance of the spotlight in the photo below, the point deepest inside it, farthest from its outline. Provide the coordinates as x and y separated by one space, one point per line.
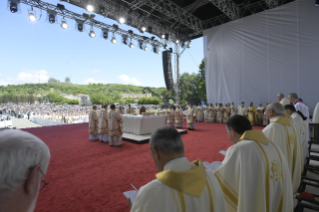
189 45
64 25
89 8
317 3
140 44
114 40
80 27
155 49
51 18
92 34
163 36
158 51
131 45
105 35
183 45
143 28
32 17
121 20
145 48
102 11
14 7
124 37
177 41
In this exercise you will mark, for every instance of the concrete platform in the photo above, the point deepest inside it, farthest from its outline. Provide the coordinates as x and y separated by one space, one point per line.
142 139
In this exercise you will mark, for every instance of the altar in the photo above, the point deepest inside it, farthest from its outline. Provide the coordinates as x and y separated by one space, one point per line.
141 125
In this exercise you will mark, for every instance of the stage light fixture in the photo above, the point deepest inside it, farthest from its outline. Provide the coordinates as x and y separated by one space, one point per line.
317 3
32 17
92 34
143 28
177 41
105 34
150 30
131 45
89 8
51 18
124 39
14 6
80 27
189 45
163 36
140 44
102 11
64 25
114 41
121 20
183 45
145 48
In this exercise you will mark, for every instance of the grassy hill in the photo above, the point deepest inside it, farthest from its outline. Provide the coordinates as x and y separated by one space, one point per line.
69 88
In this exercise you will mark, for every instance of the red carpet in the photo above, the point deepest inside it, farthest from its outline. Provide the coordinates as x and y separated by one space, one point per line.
91 176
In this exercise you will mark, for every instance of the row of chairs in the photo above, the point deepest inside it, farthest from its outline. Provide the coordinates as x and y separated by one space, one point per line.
306 199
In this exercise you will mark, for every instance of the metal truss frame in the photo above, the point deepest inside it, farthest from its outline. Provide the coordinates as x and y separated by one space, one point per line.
197 4
89 21
228 7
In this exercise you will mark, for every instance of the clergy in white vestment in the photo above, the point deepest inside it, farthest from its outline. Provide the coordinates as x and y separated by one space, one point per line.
299 118
94 125
180 185
103 124
206 113
121 110
281 98
129 110
233 109
115 122
170 116
242 110
190 117
179 117
254 176
282 131
199 113
260 115
315 117
302 107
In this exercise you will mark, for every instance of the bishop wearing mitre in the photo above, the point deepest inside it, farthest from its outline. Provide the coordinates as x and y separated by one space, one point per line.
170 116
93 124
180 185
190 117
103 124
115 122
179 117
282 131
199 113
254 175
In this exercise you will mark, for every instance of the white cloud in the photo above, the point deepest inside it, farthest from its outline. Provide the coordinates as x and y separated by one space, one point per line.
127 80
33 77
96 71
3 83
91 80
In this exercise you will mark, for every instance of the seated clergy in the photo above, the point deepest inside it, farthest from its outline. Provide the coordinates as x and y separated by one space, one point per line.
282 131
103 125
24 160
93 125
254 175
180 184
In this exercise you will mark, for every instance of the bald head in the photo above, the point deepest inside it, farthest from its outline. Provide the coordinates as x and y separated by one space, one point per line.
274 109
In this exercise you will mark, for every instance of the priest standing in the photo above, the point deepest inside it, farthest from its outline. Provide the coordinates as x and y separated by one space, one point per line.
190 117
103 125
282 132
251 111
129 110
199 113
179 117
115 122
254 175
170 116
93 125
242 110
180 184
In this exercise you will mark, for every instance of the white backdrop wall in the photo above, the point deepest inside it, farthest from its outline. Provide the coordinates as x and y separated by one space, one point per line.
255 58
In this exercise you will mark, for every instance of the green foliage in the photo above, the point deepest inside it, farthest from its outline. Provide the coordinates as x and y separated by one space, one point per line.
57 99
150 100
129 100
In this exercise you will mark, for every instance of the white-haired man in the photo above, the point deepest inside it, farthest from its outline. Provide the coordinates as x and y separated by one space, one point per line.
282 131
254 176
180 184
281 98
302 107
24 160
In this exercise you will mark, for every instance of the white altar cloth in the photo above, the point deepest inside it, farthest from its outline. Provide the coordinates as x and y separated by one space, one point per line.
4 124
141 125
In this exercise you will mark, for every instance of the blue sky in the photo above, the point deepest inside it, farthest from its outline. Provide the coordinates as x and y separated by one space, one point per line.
33 52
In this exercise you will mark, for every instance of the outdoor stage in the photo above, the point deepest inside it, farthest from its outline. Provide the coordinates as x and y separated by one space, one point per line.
91 176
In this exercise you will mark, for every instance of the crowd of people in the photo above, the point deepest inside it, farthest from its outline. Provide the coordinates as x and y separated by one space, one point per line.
260 172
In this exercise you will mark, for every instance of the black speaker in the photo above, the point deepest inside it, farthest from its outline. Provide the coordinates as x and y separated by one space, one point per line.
167 68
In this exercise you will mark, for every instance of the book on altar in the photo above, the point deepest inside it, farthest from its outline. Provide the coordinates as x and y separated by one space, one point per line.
212 166
131 194
223 152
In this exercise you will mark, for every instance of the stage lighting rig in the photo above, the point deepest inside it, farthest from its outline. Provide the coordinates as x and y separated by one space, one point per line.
131 45
124 39
33 15
121 20
183 45
140 44
89 8
64 24
14 6
105 33
51 17
102 11
92 33
143 29
79 25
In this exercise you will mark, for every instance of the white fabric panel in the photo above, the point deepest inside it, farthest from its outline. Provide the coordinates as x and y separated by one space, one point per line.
255 58
142 124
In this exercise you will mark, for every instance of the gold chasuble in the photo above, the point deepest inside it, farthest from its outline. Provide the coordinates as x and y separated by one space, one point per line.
252 115
103 123
254 176
93 123
282 131
181 187
178 117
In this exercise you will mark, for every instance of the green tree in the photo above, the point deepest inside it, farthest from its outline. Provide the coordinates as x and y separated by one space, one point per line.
129 100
